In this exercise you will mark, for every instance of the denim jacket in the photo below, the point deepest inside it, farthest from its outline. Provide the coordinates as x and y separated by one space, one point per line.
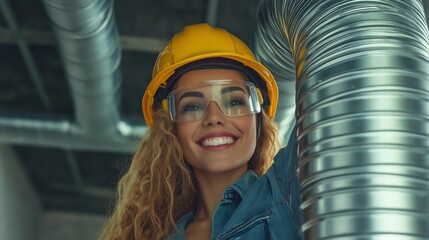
265 207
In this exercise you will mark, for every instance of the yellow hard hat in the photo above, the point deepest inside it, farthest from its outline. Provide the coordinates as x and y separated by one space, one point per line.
201 42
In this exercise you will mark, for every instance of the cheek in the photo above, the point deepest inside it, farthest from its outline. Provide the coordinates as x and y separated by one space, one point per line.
254 134
250 127
181 136
184 134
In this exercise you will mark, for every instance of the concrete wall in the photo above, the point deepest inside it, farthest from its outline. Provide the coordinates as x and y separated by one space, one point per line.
21 213
20 207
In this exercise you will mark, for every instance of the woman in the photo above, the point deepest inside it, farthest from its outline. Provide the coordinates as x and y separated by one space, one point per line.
205 168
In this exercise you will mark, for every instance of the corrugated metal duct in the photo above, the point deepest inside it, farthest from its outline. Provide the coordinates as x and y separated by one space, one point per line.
361 70
88 41
89 46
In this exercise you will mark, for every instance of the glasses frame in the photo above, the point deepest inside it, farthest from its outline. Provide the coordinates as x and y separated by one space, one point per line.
169 103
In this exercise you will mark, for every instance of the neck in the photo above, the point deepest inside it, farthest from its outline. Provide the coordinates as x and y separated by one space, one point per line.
212 186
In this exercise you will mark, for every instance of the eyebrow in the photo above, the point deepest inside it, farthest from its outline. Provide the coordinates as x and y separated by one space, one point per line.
223 91
231 89
191 94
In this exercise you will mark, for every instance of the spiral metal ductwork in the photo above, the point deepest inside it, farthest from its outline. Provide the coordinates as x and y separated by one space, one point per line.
361 74
89 45
88 42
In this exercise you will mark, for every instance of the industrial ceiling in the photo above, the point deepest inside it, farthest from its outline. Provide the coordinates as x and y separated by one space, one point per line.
71 173
35 91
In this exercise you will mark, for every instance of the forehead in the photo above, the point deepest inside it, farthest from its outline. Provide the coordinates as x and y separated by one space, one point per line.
200 75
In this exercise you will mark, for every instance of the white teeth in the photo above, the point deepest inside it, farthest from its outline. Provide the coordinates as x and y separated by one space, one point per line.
217 141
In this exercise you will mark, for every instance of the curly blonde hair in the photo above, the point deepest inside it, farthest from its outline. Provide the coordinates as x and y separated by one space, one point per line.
159 187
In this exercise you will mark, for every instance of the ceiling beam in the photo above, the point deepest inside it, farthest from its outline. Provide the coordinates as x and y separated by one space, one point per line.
41 37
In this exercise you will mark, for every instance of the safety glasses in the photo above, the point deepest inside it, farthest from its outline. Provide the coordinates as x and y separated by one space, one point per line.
234 98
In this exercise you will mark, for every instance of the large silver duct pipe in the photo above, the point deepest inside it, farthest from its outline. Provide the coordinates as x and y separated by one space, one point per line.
362 108
89 45
272 49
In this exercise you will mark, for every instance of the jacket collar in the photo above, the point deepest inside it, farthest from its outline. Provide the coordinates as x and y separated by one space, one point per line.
237 190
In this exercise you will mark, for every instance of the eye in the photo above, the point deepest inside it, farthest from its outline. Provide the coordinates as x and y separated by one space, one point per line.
191 108
235 102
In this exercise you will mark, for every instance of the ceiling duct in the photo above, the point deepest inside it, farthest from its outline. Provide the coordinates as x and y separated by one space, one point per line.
88 41
89 45
361 73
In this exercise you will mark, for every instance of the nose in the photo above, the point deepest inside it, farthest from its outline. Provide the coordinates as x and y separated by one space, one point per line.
214 115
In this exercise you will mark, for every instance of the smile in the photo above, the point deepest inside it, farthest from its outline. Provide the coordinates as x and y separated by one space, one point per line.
217 141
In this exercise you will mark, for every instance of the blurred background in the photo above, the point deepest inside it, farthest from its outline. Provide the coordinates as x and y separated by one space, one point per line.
72 75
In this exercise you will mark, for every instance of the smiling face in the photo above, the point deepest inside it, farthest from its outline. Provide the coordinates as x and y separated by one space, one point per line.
216 143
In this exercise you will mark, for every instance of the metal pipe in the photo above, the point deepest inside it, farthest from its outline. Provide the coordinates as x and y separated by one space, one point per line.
272 49
362 109
54 131
212 12
89 45
26 54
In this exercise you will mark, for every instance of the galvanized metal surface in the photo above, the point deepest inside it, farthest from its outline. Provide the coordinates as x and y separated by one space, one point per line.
361 73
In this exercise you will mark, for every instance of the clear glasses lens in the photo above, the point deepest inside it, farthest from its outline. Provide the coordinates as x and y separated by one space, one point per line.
234 98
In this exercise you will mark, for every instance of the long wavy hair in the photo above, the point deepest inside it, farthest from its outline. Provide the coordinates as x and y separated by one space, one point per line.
159 187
